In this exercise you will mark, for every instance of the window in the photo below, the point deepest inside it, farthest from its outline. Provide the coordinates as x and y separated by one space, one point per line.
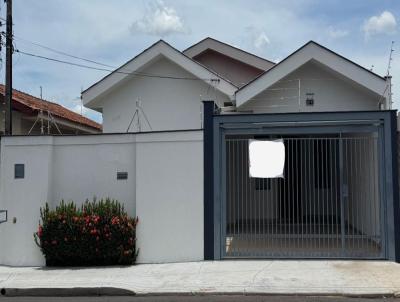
19 171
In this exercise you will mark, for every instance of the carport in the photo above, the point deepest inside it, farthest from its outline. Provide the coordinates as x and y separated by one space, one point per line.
335 199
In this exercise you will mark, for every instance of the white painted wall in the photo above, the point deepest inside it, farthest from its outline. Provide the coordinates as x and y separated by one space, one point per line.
168 104
169 198
164 188
332 92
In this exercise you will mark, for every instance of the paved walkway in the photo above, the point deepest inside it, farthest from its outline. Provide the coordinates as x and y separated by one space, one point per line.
229 277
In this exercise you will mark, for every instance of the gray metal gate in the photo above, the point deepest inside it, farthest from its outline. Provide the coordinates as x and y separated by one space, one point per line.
327 205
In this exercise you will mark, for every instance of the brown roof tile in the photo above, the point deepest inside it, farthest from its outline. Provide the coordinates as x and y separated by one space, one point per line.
36 104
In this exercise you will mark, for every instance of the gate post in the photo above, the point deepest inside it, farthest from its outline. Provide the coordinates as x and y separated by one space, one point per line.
208 153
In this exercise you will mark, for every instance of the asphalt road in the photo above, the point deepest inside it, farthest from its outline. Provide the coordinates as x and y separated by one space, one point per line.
197 299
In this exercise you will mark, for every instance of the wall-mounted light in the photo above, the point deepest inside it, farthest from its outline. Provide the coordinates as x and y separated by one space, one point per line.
122 175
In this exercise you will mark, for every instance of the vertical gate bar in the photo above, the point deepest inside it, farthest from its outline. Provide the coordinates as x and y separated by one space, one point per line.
353 177
328 193
313 197
350 196
245 182
363 203
279 207
326 202
295 223
264 205
377 203
302 192
290 191
302 162
238 200
245 200
259 193
245 179
373 193
357 158
228 200
291 222
341 183
283 201
241 160
331 240
309 197
233 195
335 195
316 186
358 193
369 240
263 233
321 193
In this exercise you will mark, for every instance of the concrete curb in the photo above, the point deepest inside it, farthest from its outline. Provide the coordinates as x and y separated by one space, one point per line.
114 291
65 292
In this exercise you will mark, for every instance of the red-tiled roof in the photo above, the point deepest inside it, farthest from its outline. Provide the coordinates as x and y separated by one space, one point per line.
35 105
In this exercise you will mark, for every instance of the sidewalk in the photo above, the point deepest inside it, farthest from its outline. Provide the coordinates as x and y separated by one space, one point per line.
348 278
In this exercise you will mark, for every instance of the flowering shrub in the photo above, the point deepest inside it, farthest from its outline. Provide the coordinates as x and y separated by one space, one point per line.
97 233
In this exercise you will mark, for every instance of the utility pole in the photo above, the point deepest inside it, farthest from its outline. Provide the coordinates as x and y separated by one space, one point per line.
9 51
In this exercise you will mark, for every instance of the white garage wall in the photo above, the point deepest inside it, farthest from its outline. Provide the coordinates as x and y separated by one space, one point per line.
164 188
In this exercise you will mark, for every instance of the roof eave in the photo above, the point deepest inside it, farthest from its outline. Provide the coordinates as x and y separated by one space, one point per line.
91 95
311 51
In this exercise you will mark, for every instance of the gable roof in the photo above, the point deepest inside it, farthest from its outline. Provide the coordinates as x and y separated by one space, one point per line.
230 51
312 51
160 48
32 105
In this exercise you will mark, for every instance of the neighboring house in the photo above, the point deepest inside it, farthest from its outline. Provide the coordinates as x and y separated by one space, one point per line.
201 122
35 116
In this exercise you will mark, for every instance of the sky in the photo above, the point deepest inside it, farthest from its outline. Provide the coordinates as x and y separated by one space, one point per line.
113 32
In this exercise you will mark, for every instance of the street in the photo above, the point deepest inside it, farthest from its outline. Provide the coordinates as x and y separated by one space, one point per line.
218 298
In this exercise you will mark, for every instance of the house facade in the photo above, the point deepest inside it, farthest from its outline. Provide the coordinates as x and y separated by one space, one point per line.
180 123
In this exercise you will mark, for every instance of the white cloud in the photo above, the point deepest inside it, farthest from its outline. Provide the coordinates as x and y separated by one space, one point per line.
256 37
159 20
385 23
337 33
261 40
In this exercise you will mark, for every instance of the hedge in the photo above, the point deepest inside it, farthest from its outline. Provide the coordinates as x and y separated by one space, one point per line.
97 233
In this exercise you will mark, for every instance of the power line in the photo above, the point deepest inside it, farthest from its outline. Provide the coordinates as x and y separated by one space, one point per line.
139 74
63 53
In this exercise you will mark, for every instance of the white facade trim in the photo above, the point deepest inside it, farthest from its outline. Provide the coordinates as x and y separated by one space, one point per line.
144 59
312 51
230 51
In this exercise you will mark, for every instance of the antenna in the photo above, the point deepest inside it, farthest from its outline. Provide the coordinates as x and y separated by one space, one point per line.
390 59
139 110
